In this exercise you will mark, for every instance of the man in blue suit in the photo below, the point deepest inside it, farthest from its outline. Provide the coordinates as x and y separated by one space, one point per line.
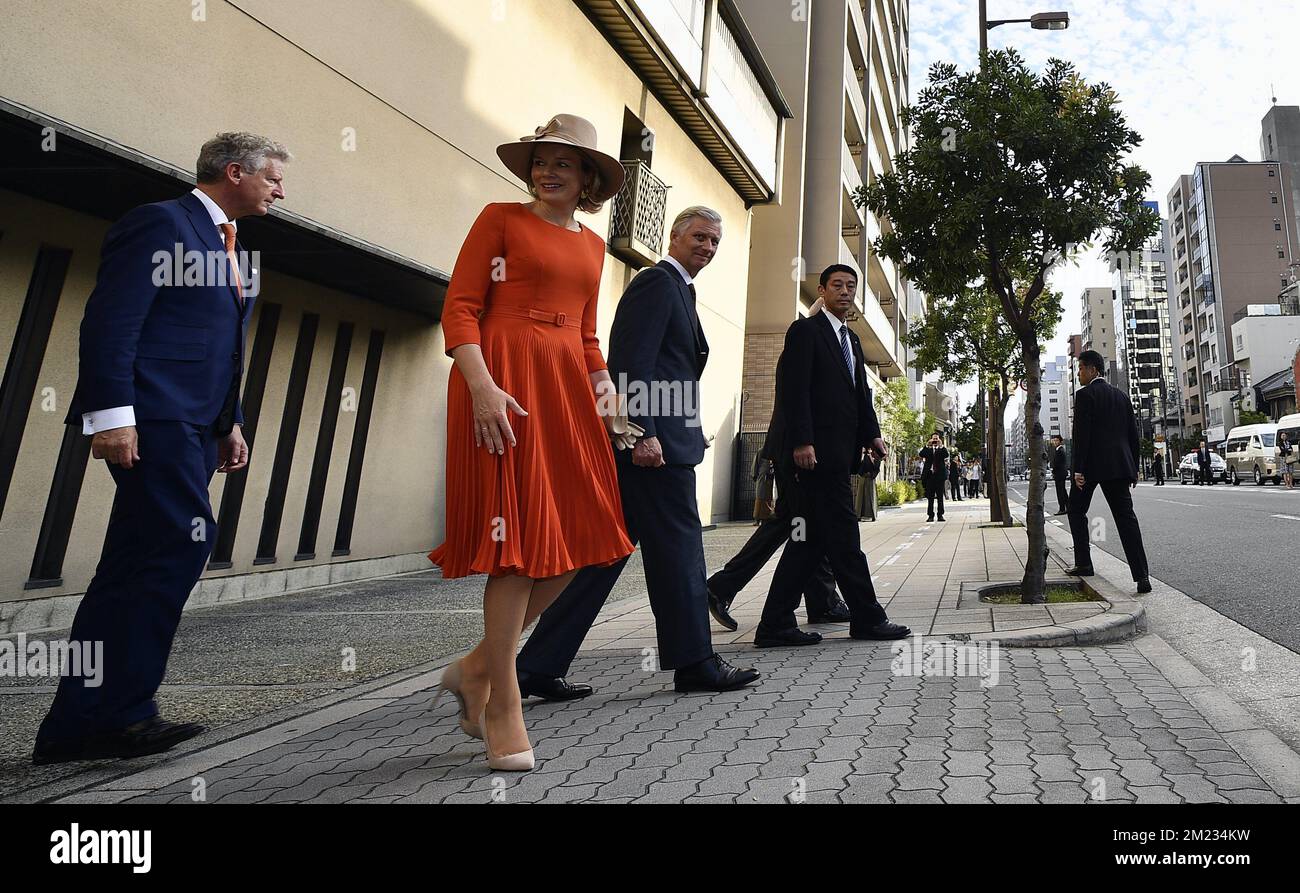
657 353
161 357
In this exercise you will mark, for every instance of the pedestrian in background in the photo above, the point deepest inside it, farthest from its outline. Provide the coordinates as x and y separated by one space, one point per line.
934 469
1286 456
1204 468
954 475
973 479
1060 471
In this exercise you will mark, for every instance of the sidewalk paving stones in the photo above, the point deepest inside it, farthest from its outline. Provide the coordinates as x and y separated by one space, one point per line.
842 722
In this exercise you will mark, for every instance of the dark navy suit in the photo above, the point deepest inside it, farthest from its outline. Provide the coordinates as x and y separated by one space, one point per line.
656 339
174 353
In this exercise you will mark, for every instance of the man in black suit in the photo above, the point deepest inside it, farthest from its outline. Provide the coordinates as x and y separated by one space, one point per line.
1204 466
830 425
820 598
1106 456
657 352
934 474
1060 472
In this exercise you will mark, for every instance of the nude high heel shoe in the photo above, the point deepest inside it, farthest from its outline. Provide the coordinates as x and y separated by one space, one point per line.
510 762
451 679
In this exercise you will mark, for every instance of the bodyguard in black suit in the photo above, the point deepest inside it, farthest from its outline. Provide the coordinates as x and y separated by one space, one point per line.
1060 472
160 361
1204 466
1106 456
830 425
657 353
934 474
822 602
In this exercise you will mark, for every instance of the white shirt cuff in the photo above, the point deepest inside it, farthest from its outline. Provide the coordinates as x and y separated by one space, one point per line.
107 419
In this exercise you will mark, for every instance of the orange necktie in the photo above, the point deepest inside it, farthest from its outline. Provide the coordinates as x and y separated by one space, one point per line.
228 233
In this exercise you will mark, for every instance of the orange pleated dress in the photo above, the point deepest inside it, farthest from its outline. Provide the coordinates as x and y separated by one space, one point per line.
525 290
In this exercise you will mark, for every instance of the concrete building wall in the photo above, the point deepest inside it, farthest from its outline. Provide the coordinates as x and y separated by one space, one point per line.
393 111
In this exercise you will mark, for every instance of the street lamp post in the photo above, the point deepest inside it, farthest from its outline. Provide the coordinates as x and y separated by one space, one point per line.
1041 21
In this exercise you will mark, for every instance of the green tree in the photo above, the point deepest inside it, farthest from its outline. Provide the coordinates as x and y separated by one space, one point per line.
1251 417
967 335
900 426
1010 173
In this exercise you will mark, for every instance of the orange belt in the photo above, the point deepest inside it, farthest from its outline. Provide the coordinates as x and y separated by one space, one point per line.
559 319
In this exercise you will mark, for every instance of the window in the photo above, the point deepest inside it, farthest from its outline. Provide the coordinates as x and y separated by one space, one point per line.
1271 171
1277 226
1275 199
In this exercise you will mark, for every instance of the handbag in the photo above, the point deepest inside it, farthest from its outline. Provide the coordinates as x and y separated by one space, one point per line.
764 496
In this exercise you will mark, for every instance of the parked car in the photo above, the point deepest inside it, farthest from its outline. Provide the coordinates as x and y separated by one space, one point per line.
1250 452
1187 468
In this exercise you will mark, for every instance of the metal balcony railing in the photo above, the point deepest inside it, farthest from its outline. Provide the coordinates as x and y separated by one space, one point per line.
637 222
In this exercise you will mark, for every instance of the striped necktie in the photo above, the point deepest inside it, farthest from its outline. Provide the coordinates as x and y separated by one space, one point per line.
228 236
848 354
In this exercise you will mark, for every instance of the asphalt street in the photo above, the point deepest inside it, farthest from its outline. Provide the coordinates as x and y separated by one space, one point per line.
1235 549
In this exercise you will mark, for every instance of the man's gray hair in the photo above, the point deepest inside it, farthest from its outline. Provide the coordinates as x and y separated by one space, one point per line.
249 150
691 213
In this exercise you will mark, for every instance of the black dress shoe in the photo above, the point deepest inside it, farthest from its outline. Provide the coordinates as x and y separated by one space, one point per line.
1144 585
1080 572
941 517
713 674
1062 512
151 736
784 637
886 630
719 609
551 688
836 613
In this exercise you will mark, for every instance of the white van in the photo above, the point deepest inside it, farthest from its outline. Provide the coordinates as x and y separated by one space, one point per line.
1250 452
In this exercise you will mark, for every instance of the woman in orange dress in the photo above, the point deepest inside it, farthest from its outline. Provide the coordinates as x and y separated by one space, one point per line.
532 493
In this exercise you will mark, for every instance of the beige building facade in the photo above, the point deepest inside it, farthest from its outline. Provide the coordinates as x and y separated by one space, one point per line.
393 112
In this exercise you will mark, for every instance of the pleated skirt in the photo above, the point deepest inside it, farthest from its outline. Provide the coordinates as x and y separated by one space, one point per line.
551 503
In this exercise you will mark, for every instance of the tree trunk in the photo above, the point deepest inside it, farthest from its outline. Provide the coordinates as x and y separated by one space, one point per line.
1004 503
992 458
1033 585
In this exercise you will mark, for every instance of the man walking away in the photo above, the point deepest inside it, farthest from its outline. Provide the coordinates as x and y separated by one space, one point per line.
1106 456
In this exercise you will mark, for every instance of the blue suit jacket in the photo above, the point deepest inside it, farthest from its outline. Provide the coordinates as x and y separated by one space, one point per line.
170 350
657 346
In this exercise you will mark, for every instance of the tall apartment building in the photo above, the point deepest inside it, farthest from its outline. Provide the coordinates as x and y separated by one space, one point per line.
393 111
1231 237
1279 141
1099 326
842 65
1144 354
1055 413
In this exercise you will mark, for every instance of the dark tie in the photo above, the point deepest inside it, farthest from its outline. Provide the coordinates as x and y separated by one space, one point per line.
695 314
848 354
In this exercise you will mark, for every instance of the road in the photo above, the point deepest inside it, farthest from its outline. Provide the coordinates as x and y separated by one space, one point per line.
1236 549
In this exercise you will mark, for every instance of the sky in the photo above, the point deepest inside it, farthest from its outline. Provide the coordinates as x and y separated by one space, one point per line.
1194 77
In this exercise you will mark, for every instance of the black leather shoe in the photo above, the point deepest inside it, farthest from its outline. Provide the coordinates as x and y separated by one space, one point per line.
886 630
929 519
719 609
1062 512
151 736
550 688
782 638
1080 572
941 517
836 613
1144 585
713 674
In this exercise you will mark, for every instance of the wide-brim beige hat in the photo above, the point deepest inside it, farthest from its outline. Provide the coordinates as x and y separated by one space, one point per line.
564 130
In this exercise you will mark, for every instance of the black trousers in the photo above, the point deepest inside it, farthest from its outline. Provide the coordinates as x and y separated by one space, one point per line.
1062 498
825 500
818 591
160 534
956 488
1120 499
1160 472
661 513
933 490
